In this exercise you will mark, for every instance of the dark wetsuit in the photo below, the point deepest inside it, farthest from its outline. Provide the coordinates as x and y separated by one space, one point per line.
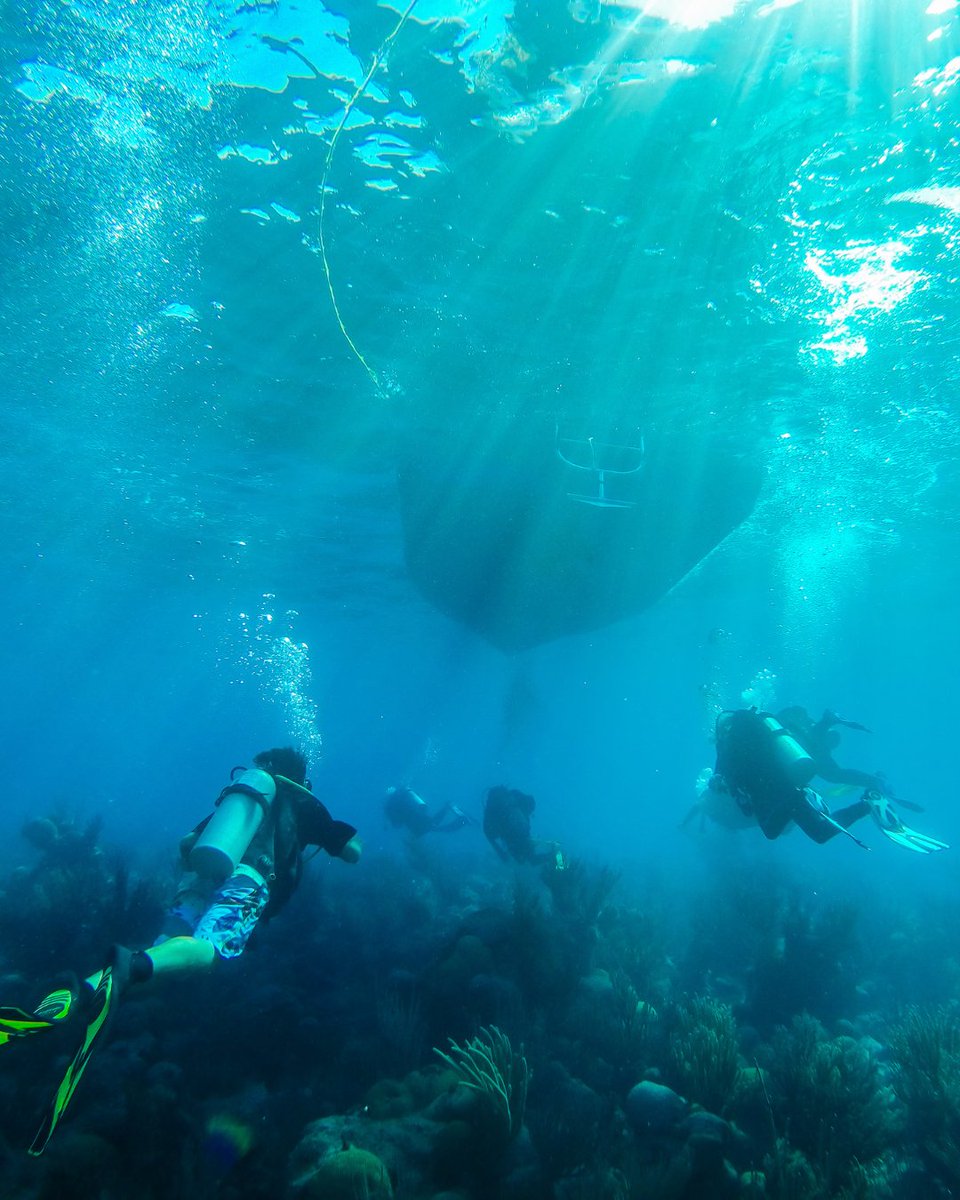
298 820
406 810
747 767
506 824
820 739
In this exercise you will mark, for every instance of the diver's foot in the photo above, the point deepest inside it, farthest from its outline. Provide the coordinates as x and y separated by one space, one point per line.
96 1001
128 967
881 809
890 824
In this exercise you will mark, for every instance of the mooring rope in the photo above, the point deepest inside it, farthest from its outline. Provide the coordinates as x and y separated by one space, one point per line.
286 47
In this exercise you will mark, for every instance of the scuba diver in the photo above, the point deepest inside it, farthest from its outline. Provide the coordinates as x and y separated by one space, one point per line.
240 864
405 809
766 771
506 824
820 738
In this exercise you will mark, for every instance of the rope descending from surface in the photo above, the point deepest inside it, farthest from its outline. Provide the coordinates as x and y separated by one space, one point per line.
331 149
287 47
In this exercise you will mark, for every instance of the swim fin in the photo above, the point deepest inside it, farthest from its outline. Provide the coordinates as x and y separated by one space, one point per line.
16 1024
909 804
911 840
99 1010
831 718
890 824
52 1009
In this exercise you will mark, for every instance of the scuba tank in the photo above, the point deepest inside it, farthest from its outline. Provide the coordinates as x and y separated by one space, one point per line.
787 754
240 810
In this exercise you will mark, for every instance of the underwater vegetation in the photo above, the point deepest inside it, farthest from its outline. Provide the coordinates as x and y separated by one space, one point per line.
775 949
837 1111
591 1041
347 1174
926 1080
73 898
814 960
490 1066
702 1052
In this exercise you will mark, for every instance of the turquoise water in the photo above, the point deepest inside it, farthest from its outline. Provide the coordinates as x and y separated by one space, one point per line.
724 233
478 392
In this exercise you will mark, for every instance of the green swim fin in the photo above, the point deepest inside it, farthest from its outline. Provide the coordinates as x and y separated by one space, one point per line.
16 1024
101 1007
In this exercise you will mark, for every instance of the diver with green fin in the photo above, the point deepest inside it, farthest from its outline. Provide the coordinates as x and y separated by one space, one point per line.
764 767
241 863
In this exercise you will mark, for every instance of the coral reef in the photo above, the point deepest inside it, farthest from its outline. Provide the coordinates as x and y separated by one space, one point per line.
703 1060
811 964
346 1175
73 901
489 1064
835 1109
926 1077
641 1072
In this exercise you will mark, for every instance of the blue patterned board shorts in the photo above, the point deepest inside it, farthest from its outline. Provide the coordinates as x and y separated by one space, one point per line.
233 911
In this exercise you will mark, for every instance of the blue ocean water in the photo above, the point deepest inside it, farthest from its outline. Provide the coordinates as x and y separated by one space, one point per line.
677 219
262 259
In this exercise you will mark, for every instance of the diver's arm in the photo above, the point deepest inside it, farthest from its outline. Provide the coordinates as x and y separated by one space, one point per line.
350 851
833 773
501 850
450 818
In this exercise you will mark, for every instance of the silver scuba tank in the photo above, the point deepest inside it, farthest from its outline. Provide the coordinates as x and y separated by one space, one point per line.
788 755
232 827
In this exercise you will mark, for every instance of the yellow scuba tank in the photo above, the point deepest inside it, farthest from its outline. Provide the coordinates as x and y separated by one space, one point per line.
788 755
232 827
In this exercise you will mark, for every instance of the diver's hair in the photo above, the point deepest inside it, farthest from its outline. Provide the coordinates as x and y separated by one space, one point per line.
283 760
